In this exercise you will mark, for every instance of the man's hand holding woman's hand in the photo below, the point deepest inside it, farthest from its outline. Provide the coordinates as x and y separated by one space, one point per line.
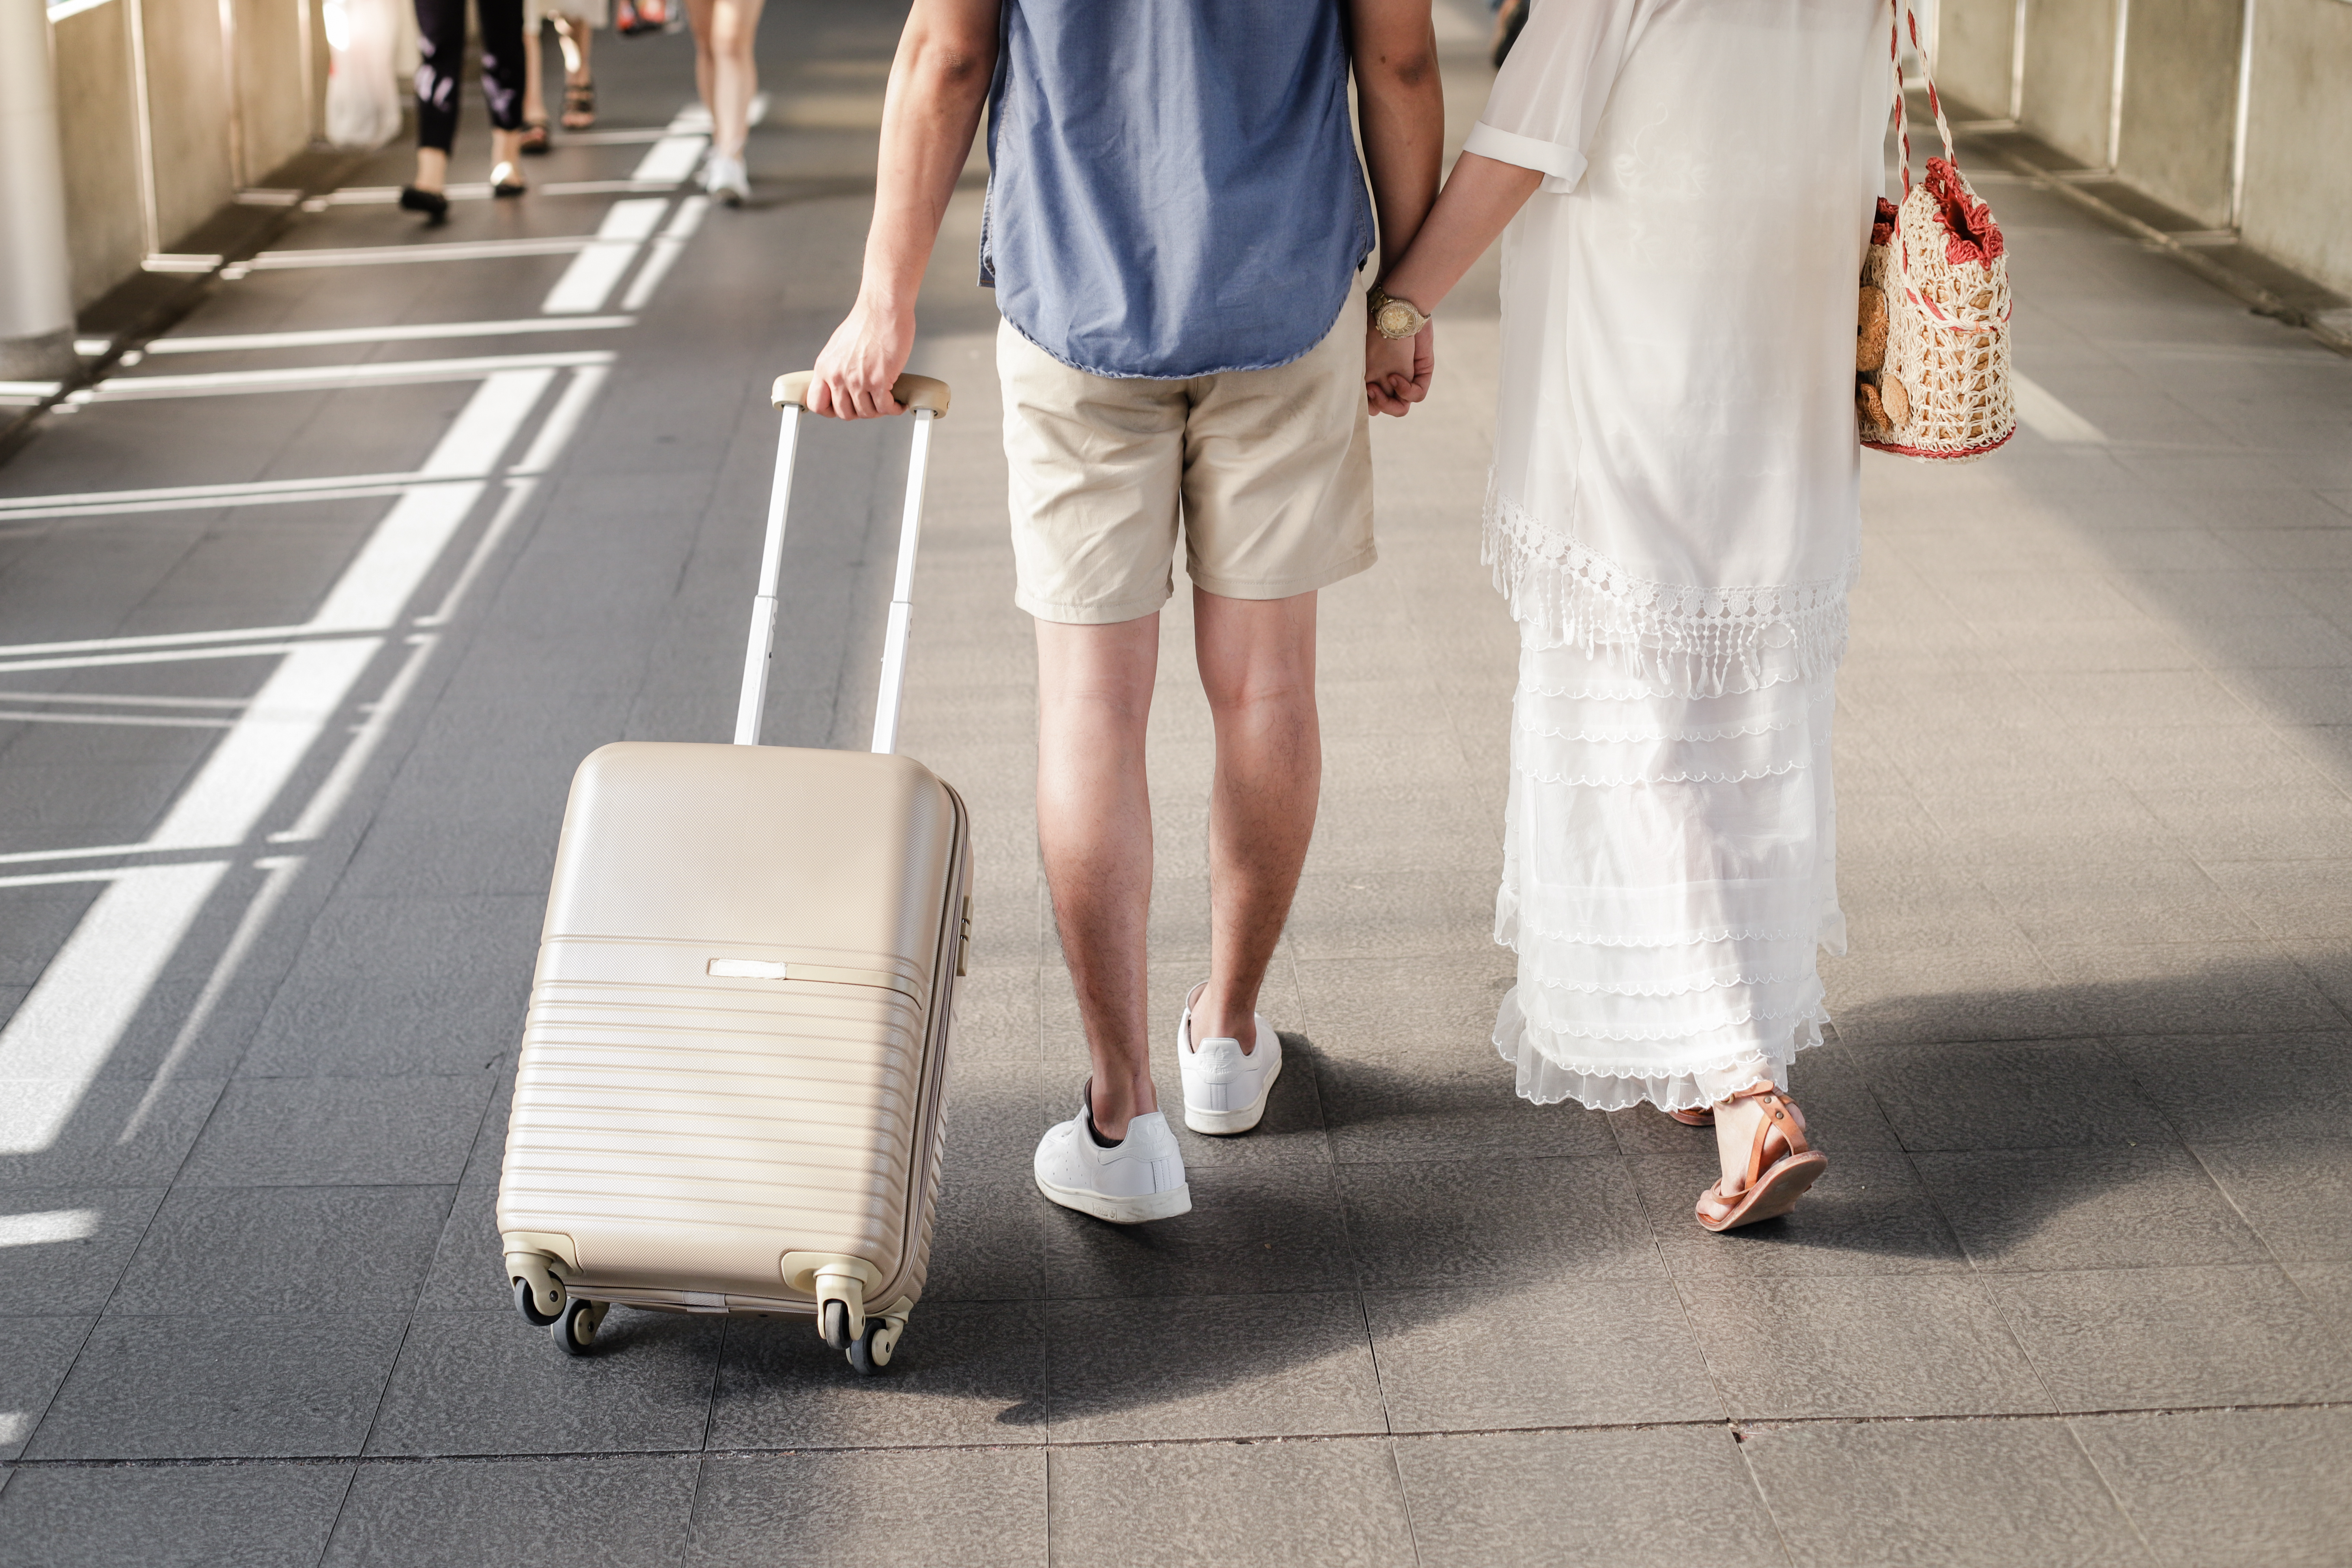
859 366
1397 370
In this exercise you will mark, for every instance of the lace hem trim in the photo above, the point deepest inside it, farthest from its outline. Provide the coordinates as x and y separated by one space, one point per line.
1589 780
1654 734
1698 637
1595 988
1616 939
1741 1019
1616 1086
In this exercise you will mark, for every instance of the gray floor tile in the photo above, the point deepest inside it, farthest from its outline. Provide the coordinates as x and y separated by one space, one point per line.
2221 1488
1970 1494
941 1507
1588 1498
2131 1339
171 1516
1435 915
2296 1194
254 1385
101 1144
2095 1208
1217 1366
1375 1007
35 1355
65 1246
468 1269
1496 1222
1557 1356
2011 1094
2329 1287
966 1373
995 1117
996 1013
1919 1344
2278 1086
340 1132
1867 1214
1419 1106
988 1241
284 1249
488 1382
390 986
1251 1230
626 1513
1231 1505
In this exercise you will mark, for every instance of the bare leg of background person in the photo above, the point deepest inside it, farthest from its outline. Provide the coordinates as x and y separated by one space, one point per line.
579 43
1257 666
724 69
1094 824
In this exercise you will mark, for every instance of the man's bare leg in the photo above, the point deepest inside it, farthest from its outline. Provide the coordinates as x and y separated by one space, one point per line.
1257 666
1094 824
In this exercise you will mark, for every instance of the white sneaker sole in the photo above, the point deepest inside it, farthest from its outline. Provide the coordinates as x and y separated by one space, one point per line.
1225 1123
1119 1211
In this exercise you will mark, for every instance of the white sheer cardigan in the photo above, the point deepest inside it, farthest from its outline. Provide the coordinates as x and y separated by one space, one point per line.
1676 469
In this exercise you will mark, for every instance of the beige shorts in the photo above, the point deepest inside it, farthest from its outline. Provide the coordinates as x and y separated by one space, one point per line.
1270 472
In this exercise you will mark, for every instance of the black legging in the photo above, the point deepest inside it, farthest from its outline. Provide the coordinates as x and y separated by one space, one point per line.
441 48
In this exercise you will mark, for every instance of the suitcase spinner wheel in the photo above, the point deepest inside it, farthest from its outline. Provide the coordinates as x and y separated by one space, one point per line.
727 1098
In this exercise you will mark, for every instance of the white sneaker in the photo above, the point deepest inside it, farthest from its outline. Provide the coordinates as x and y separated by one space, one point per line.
727 179
1226 1090
1139 1178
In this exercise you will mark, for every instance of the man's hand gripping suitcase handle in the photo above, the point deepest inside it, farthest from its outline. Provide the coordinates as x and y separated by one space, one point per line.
912 392
926 398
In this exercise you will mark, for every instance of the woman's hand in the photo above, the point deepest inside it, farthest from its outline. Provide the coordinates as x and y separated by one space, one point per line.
1397 370
854 374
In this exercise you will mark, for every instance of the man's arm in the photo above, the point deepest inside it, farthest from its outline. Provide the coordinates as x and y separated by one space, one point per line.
939 84
1400 109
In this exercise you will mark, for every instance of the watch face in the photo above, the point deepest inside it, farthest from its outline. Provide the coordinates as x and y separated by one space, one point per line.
1396 320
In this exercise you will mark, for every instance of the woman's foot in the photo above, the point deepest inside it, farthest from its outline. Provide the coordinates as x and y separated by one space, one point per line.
1778 1167
506 180
727 179
579 105
534 137
432 204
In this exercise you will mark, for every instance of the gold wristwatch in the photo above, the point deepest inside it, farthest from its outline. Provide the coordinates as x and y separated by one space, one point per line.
1391 317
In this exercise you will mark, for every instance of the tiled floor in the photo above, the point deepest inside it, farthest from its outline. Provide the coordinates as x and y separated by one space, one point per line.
2074 1290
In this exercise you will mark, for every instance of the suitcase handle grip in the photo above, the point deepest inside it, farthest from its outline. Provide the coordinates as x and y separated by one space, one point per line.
912 392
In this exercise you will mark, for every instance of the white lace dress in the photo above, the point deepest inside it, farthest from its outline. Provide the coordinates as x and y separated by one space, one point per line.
1675 520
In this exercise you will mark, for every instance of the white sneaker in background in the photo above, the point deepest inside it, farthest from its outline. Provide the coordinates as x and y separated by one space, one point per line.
727 179
1139 1178
1226 1089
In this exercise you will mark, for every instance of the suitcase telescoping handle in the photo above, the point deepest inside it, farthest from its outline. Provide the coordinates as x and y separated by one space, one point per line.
927 399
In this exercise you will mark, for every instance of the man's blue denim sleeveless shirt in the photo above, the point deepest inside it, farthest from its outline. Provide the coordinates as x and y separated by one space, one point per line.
1173 188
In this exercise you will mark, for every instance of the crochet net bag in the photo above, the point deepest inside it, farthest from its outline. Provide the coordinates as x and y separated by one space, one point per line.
1931 364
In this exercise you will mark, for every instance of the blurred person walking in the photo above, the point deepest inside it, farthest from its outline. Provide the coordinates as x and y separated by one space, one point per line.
1176 220
1684 193
575 33
726 71
441 48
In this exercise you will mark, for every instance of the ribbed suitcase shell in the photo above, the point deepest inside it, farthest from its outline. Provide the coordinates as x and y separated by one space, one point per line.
681 1130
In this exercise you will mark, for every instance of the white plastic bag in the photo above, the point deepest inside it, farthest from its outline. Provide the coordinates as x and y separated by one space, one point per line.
363 95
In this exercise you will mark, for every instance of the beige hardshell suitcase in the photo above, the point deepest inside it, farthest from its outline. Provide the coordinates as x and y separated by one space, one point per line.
728 1096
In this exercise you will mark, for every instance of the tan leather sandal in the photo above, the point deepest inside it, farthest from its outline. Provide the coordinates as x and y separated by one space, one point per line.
1702 1117
1775 1180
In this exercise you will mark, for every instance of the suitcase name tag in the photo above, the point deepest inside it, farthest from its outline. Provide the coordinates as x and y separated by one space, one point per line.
728 1094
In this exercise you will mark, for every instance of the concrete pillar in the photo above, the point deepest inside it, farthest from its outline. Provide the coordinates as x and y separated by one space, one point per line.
36 319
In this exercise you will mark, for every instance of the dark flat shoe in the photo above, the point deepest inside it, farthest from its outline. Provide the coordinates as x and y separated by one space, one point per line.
432 204
535 142
506 180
